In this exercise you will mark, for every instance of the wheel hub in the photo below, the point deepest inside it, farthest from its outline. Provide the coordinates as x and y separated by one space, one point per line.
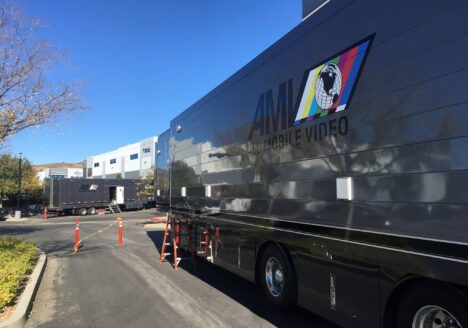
274 276
433 316
279 276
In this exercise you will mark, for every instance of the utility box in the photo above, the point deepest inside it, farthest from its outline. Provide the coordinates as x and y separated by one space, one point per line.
344 188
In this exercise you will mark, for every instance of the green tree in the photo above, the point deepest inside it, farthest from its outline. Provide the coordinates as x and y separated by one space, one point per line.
9 177
146 185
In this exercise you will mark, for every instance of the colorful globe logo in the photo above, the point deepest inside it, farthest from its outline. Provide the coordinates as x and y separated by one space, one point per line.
328 86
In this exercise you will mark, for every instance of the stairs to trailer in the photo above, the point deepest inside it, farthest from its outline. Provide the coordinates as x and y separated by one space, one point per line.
113 208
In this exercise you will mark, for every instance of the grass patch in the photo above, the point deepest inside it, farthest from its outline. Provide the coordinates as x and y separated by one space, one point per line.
16 260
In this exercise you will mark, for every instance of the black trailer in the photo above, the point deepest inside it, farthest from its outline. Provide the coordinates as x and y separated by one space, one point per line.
333 168
86 196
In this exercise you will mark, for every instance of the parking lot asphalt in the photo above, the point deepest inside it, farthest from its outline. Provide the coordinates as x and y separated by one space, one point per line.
104 285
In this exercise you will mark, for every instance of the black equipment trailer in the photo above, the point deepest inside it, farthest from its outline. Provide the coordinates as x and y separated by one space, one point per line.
333 169
86 196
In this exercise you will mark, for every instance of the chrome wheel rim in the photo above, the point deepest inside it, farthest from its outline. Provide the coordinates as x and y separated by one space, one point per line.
274 276
433 316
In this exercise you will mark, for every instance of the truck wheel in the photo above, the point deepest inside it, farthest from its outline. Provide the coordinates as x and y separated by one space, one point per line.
82 211
91 211
426 306
277 278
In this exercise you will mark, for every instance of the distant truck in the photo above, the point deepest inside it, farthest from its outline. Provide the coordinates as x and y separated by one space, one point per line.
86 196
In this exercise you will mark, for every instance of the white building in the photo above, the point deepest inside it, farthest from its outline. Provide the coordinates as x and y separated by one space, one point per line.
128 162
58 171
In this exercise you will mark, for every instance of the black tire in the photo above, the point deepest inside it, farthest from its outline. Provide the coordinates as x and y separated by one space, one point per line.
423 295
91 211
287 295
82 211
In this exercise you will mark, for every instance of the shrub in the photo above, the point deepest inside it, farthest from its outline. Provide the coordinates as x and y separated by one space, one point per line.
16 260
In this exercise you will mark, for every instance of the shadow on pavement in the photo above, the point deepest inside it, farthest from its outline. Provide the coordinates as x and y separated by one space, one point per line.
245 292
56 248
53 248
17 230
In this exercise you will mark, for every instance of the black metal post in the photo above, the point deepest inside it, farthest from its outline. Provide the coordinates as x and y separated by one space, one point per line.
18 199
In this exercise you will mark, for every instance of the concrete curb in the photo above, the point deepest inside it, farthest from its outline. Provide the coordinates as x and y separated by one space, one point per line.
20 315
158 226
17 220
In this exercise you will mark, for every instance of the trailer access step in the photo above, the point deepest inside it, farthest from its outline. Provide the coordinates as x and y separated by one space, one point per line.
113 208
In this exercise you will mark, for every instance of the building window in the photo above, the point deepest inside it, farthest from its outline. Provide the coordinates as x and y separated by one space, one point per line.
90 172
134 156
96 164
146 150
113 161
57 176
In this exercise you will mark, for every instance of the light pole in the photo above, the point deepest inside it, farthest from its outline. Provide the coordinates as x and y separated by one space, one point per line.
19 182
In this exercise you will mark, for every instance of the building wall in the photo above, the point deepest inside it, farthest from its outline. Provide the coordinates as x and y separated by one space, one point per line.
74 173
60 173
130 161
148 155
41 175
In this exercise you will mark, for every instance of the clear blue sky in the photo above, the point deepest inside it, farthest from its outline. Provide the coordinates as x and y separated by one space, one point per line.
144 62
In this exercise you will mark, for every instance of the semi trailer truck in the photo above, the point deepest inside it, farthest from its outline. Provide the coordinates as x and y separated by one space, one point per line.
332 168
86 196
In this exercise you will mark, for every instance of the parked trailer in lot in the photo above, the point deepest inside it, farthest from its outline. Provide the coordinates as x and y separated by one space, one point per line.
86 196
332 169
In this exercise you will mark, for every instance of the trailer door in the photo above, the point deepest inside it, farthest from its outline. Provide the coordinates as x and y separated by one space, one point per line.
120 195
